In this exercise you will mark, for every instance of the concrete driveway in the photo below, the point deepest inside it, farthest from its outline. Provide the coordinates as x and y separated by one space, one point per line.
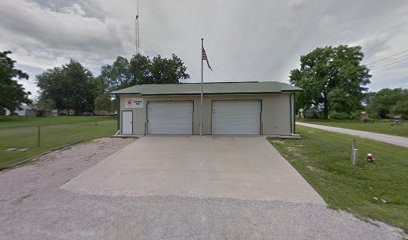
247 168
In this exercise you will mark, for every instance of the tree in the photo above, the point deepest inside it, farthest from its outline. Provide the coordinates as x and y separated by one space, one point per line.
140 70
52 84
12 93
69 87
143 70
116 76
332 77
81 92
384 100
401 108
165 71
103 103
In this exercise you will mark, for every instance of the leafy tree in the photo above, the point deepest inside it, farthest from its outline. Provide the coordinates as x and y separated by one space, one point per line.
12 93
52 84
103 103
165 71
140 70
81 92
143 70
69 87
401 108
384 100
332 77
44 106
116 75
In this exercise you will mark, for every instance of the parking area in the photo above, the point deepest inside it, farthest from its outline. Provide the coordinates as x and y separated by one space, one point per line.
247 168
34 206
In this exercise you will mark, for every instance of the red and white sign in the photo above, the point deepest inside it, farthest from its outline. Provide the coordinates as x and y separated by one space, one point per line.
133 102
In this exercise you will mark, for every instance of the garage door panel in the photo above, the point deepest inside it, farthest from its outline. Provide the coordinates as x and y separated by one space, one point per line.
236 117
170 117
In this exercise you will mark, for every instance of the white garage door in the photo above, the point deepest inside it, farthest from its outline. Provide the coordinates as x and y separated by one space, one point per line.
236 117
170 117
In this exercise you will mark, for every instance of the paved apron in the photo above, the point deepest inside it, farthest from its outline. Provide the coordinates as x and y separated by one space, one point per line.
247 168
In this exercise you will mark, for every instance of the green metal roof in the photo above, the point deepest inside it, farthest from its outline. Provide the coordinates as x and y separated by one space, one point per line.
209 88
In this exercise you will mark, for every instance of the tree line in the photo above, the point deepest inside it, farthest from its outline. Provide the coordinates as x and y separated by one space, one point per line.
333 80
72 87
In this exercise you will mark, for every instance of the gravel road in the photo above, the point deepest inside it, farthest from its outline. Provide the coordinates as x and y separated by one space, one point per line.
395 140
33 206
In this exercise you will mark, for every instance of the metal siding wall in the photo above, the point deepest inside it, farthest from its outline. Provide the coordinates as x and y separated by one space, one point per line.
276 118
139 118
275 111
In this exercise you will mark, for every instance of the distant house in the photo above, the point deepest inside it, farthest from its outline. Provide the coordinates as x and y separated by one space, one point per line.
4 112
313 112
23 110
26 110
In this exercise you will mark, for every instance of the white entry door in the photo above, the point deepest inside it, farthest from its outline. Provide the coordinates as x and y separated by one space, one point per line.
127 122
170 117
236 117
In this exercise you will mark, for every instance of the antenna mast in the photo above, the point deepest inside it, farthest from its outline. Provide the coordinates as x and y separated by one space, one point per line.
137 39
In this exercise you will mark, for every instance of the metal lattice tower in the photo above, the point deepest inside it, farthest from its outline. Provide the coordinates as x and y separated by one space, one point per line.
137 29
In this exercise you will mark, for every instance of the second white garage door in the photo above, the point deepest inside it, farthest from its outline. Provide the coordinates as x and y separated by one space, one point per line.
236 117
170 117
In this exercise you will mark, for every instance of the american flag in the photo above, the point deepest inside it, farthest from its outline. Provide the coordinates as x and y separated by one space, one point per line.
204 57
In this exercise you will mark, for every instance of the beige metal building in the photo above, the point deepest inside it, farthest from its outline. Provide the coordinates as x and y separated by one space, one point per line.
265 108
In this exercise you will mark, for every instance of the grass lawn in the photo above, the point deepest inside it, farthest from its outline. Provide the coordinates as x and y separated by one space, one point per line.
21 132
370 190
379 126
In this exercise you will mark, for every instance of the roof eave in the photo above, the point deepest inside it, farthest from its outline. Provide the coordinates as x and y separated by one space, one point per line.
206 93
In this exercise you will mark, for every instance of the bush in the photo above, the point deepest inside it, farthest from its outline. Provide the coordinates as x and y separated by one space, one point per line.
339 115
401 108
374 116
355 115
102 103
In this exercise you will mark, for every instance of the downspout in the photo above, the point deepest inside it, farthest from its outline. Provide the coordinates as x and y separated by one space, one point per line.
294 114
118 111
290 114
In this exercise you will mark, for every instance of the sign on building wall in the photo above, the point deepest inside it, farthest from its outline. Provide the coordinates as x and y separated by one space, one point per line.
133 102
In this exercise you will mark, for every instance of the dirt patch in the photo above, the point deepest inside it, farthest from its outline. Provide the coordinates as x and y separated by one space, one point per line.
313 169
295 152
274 141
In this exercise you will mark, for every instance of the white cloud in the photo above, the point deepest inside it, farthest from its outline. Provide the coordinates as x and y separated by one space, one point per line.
245 40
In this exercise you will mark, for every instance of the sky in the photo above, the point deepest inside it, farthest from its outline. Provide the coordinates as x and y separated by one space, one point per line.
258 40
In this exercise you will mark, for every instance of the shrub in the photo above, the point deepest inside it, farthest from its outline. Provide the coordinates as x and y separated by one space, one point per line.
401 108
338 115
355 115
374 116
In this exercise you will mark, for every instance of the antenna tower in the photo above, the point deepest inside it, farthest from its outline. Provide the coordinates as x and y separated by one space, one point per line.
137 39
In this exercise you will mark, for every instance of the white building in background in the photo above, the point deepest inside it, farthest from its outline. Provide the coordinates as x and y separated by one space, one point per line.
26 110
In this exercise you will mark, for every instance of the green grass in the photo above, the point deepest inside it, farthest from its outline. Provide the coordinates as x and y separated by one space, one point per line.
378 126
21 132
376 190
7 122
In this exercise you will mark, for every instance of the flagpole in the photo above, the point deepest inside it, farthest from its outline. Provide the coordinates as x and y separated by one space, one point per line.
202 93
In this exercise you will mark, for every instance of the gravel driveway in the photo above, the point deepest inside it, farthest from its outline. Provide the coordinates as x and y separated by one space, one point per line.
33 206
